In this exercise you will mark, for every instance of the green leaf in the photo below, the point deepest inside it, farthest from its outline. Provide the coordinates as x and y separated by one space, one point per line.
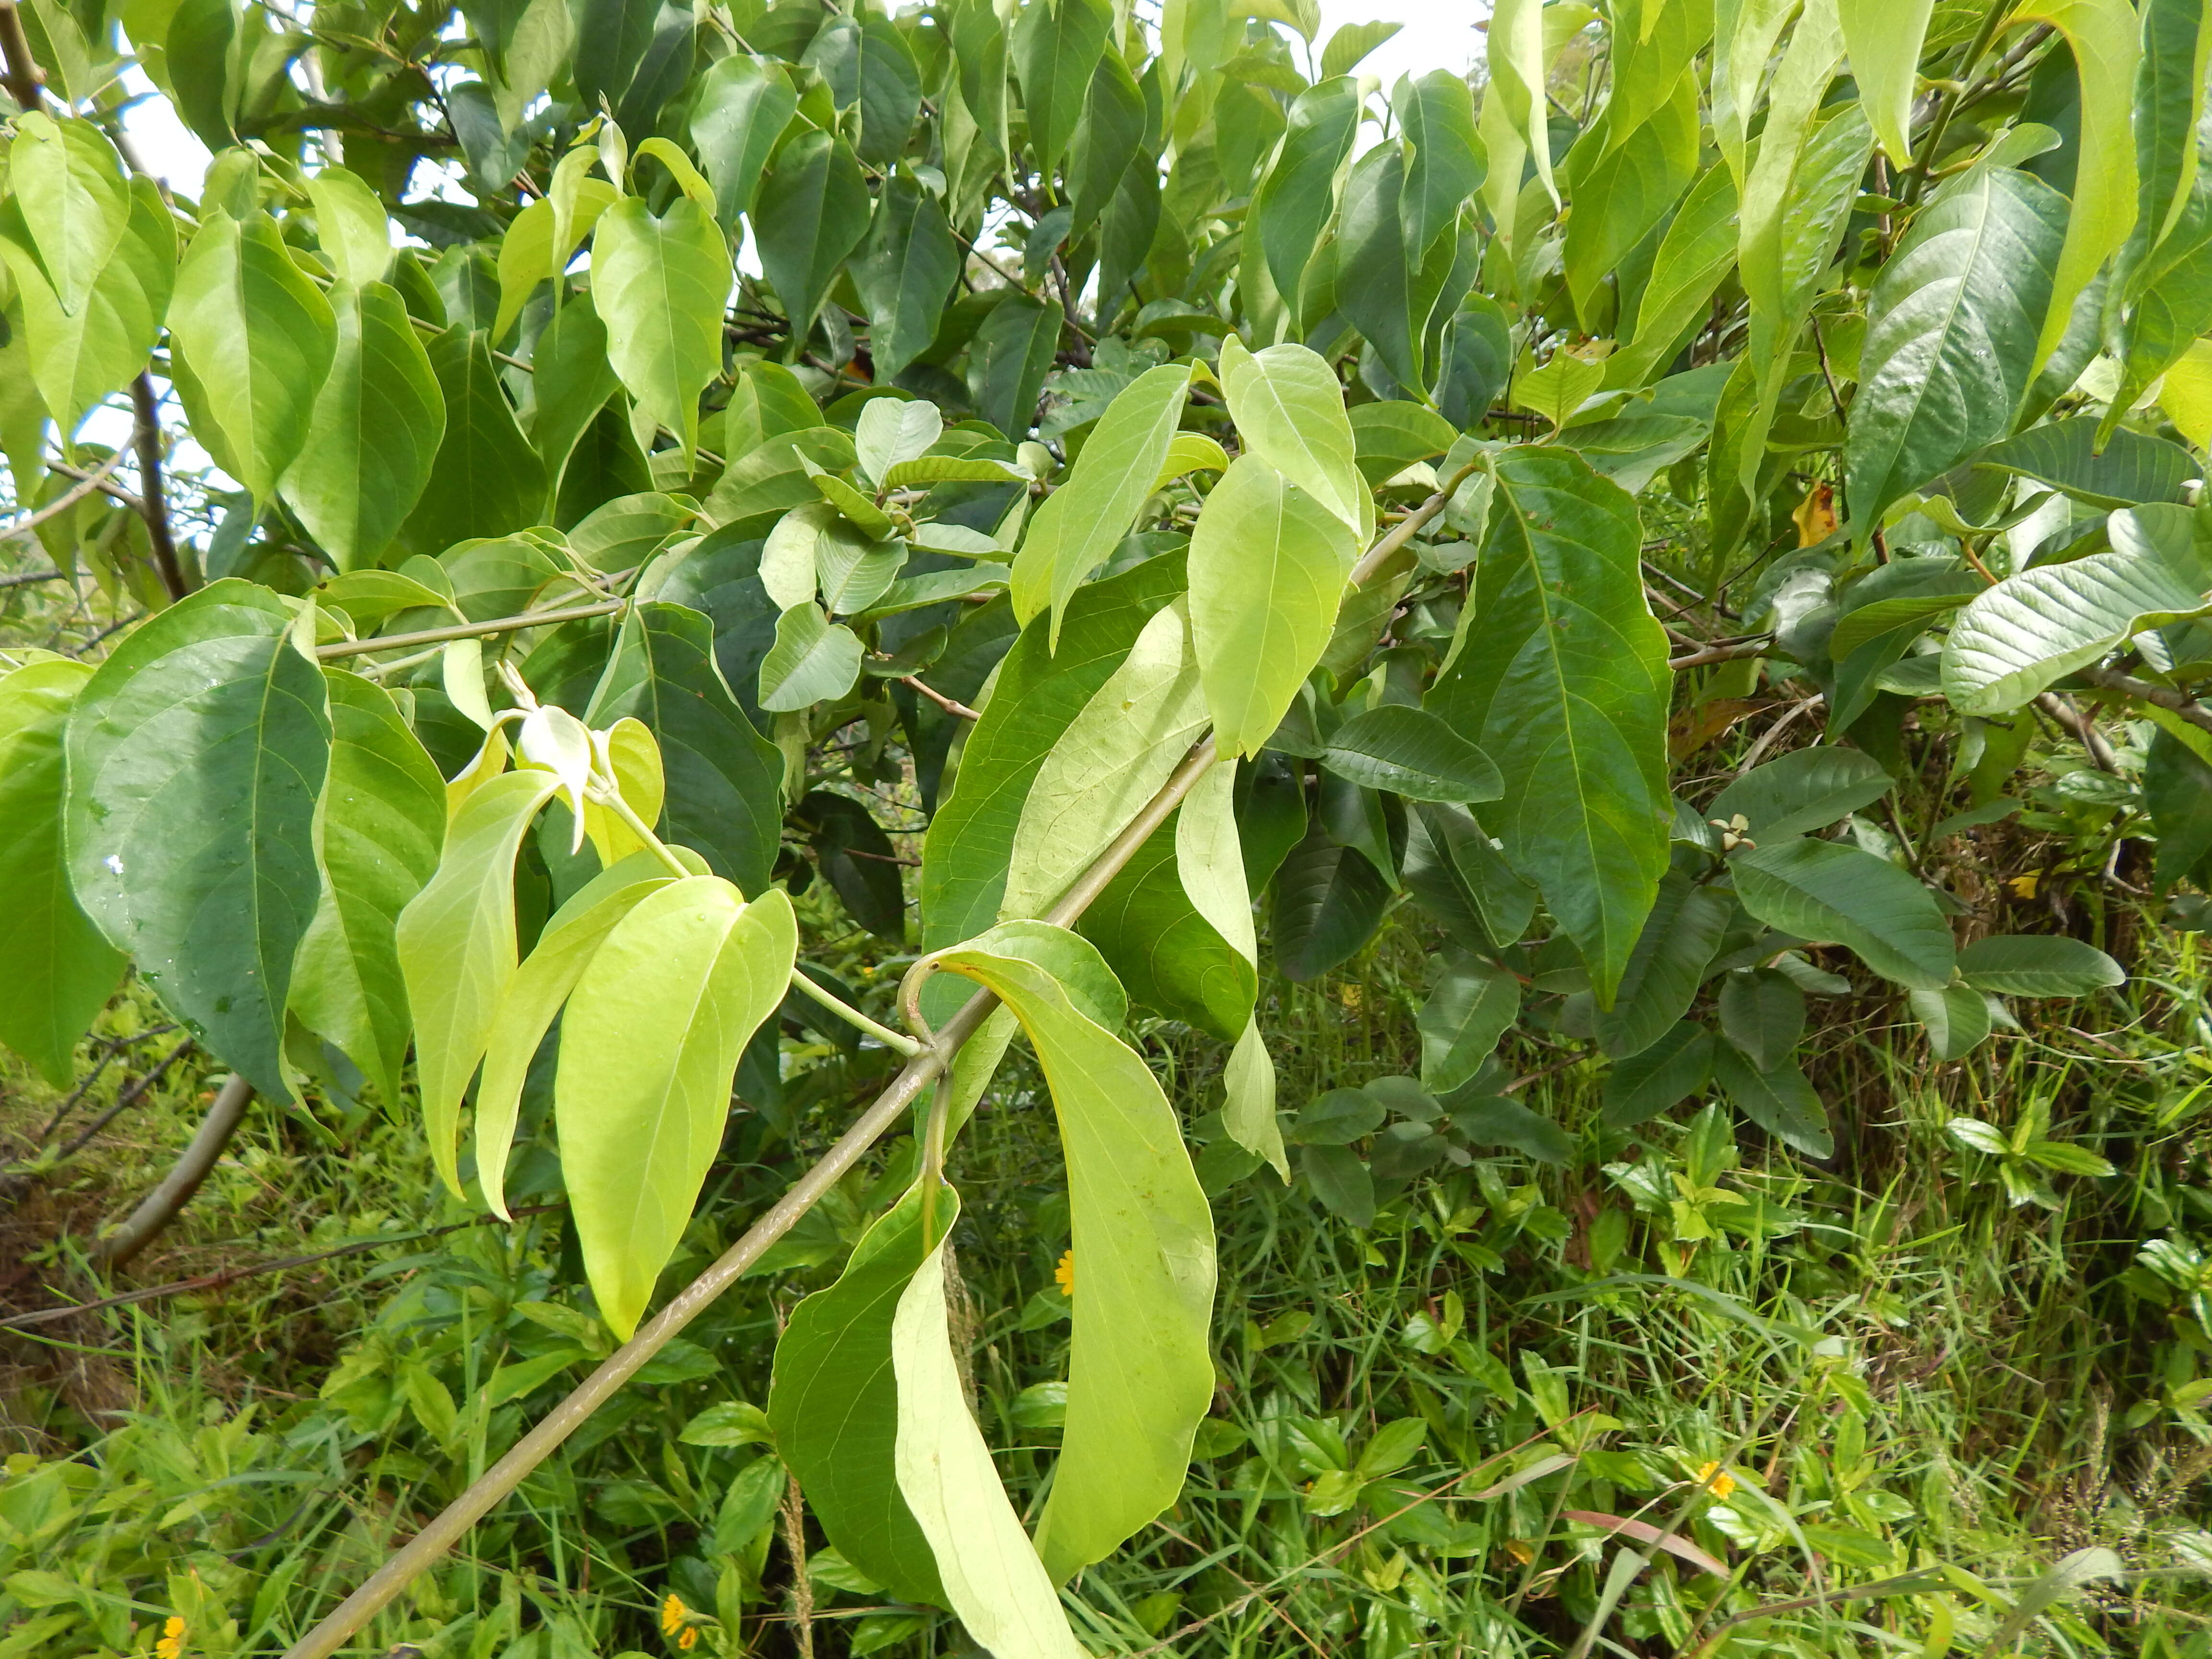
1822 891
648 1046
1642 1085
259 337
1884 38
1085 517
1037 694
1390 436
1294 202
1055 49
351 225
1502 1120
834 1403
1289 410
457 948
1007 364
196 754
1569 696
1781 1102
857 859
2130 467
1328 900
59 970
1111 759
1339 1181
2025 965
904 273
1956 1019
486 479
1350 43
1267 569
534 994
744 104
1763 1014
75 200
1411 752
383 823
1446 164
761 487
1803 791
661 283
1376 272
813 212
1951 335
571 379
1167 955
1473 1005
1697 252
991 1574
1680 936
1140 1378
77 359
376 427
1625 194
724 779
2033 629
1108 139
812 660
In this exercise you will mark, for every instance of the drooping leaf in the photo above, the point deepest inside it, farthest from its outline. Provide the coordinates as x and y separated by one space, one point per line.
1328 900
1293 203
1267 569
1144 1249
661 282
457 948
352 226
1472 1006
375 430
1569 694
1436 113
1884 38
904 272
1166 953
59 970
76 202
382 824
1411 752
1825 890
811 213
1680 936
485 480
259 337
744 104
1626 194
1289 410
1695 254
648 1046
1781 1102
196 756
1084 519
724 779
992 1575
856 858
2038 965
1670 1070
1013 351
1054 49
1763 1014
1951 335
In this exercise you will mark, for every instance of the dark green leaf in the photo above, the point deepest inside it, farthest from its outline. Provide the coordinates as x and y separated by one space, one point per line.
1340 1181
1472 1006
1007 363
1764 1015
2132 467
1166 955
1294 202
857 859
486 480
904 274
1679 939
813 212
1822 891
1502 1120
1436 116
1781 1102
1328 900
1805 790
1055 49
2038 965
744 104
1411 752
1646 1084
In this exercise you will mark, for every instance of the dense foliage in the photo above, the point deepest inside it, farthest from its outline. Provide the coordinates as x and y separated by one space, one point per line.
667 473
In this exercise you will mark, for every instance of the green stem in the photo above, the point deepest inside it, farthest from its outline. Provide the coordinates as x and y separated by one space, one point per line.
1948 101
468 630
932 1156
852 1016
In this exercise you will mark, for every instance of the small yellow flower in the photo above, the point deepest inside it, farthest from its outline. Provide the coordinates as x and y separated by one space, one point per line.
172 1644
1521 1552
689 1640
1353 996
2024 886
674 1616
1064 1275
1716 1479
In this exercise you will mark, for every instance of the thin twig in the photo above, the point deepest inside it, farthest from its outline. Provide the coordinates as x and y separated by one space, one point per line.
152 507
2164 696
99 479
2061 708
87 482
24 78
129 1097
468 630
23 578
1729 652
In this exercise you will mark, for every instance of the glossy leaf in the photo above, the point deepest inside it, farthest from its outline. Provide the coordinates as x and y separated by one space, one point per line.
1822 891
70 182
196 756
744 104
813 212
648 1046
904 272
1471 1006
1054 49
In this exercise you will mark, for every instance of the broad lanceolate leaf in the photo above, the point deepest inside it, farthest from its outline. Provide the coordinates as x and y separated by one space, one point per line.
1445 163
1670 1069
834 1403
1038 693
2118 470
1822 891
2038 965
1289 411
375 430
457 950
661 283
992 1575
1055 48
1805 790
1884 38
2032 629
1470 1007
1568 693
350 225
648 1046
485 480
1956 1019
259 337
75 200
1626 193
904 272
1167 953
744 104
724 779
1138 1375
1110 760
382 824
1293 203
1411 752
196 756
58 969
1951 335
812 212
1695 252
1084 519
1781 1102
1679 938
1267 569
1328 901
812 660
534 996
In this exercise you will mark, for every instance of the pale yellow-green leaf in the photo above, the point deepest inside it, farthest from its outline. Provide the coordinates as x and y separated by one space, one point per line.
457 952
1267 569
1140 1378
1884 38
990 1571
627 753
352 227
1289 411
535 994
1112 759
648 1048
2186 394
1189 453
